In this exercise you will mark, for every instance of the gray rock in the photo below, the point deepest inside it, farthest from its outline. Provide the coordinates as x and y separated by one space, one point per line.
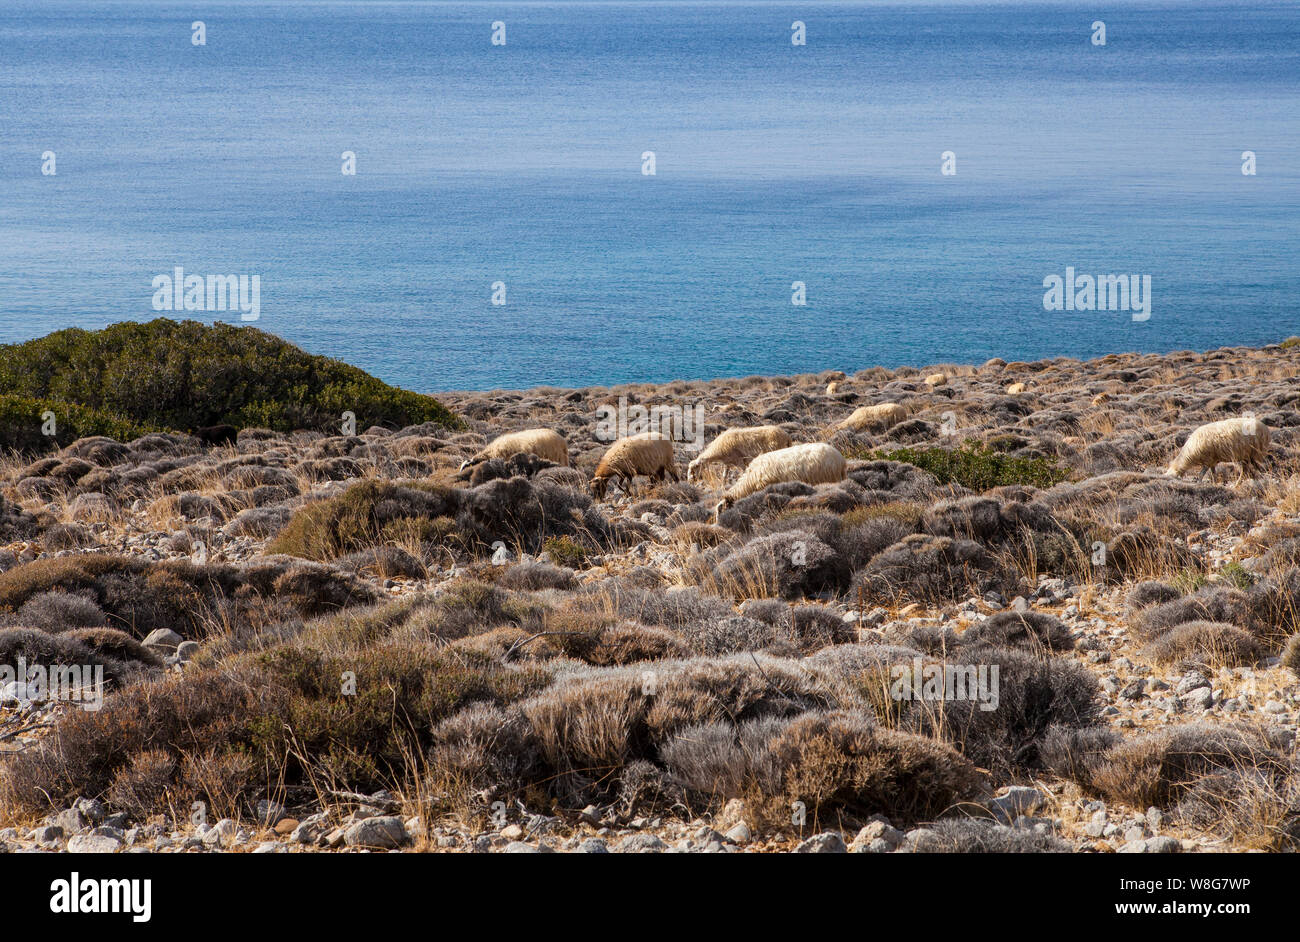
92 808
71 821
522 847
828 842
47 834
1163 845
164 639
93 844
385 831
740 834
592 845
878 831
269 812
186 651
1016 801
221 833
640 844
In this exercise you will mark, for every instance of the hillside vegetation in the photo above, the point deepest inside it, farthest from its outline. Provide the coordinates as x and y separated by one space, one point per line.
166 374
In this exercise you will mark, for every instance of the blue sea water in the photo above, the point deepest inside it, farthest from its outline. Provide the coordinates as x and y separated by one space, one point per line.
775 163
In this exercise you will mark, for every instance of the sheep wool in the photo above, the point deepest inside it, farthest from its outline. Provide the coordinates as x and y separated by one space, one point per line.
736 447
1242 440
542 442
649 454
879 417
813 463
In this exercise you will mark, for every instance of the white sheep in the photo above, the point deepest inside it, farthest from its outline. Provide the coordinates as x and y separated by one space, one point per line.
812 463
879 417
936 379
1016 389
1242 440
542 442
649 454
736 447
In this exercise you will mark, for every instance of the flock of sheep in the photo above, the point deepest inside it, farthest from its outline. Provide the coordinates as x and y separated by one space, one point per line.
769 456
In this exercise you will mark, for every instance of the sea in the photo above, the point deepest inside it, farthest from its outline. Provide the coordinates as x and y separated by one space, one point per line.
573 194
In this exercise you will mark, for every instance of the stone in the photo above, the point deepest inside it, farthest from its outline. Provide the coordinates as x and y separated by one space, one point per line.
592 845
186 651
740 833
269 812
93 844
384 831
828 842
878 830
1016 801
47 834
221 833
640 844
163 638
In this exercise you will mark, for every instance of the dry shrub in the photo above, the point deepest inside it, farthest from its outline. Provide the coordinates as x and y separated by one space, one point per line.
839 762
1204 644
933 569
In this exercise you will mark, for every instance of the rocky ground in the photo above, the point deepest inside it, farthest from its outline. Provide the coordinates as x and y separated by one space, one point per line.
216 556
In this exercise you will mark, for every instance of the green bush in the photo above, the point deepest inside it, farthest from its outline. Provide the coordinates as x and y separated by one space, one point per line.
167 374
22 422
975 466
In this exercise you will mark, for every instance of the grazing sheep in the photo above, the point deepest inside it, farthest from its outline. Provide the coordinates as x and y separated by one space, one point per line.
1015 389
650 454
877 418
736 447
541 442
813 463
1242 440
832 388
936 379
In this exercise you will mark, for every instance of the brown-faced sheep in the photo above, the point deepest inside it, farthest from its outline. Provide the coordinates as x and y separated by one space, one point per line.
541 442
878 418
1241 440
813 463
736 447
649 454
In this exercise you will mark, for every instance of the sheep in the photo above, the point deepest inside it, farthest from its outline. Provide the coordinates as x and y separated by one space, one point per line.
936 379
736 447
813 463
541 442
1015 389
1242 440
878 417
650 454
833 388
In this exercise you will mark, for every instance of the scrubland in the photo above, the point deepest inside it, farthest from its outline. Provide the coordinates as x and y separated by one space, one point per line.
317 641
